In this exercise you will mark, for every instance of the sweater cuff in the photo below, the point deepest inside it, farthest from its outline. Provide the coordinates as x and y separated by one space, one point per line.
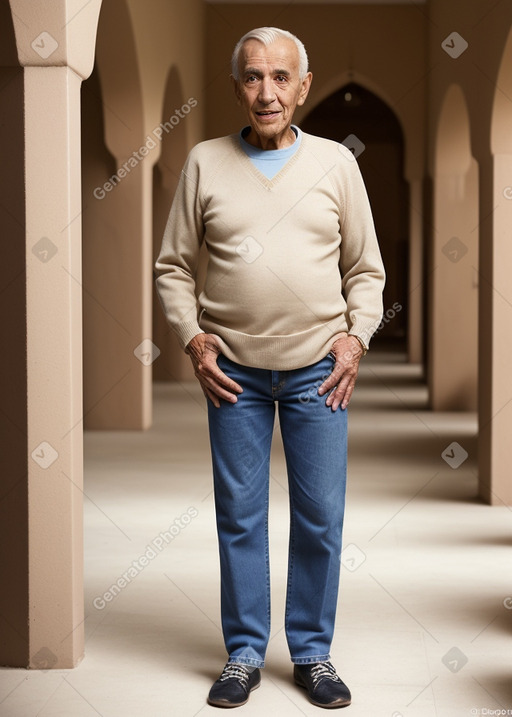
364 332
186 332
362 338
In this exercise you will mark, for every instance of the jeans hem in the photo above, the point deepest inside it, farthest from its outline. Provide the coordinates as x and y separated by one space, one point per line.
247 661
310 660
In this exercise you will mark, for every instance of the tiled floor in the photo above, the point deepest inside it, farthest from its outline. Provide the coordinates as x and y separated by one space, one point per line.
424 624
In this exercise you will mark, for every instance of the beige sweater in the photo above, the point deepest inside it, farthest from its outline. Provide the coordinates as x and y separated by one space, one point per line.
293 261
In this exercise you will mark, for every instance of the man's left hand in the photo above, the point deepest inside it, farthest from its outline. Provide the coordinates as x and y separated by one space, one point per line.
348 352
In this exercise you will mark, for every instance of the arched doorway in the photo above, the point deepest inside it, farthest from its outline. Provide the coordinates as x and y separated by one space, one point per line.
376 138
453 316
116 309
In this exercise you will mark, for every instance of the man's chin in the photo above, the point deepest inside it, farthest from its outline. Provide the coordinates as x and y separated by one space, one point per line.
268 128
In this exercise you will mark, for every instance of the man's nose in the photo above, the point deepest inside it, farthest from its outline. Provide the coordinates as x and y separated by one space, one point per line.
267 94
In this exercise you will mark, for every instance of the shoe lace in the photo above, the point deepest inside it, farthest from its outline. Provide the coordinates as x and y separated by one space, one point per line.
321 670
236 671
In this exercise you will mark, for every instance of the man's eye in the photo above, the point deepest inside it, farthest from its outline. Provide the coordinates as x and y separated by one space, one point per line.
251 78
281 78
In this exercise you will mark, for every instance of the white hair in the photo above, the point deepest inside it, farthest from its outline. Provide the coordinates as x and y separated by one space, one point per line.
268 35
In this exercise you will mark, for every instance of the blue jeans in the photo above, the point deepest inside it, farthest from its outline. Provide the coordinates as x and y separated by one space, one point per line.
315 445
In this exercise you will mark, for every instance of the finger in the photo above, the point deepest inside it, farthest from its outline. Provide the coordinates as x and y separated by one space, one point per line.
341 395
218 383
331 380
336 396
209 369
222 393
223 380
348 395
214 388
213 398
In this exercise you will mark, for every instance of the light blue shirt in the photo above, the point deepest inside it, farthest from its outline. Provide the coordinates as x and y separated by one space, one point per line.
270 161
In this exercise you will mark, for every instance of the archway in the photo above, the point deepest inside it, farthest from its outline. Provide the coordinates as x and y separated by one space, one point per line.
354 111
453 316
117 386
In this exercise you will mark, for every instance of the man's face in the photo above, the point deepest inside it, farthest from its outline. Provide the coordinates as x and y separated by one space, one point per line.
269 89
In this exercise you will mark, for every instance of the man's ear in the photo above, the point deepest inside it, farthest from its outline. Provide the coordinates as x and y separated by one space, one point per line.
236 88
304 90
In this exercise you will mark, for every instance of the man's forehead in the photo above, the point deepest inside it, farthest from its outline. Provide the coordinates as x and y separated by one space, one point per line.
282 53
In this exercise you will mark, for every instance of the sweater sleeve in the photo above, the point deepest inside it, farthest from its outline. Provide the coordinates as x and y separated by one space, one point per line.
176 265
361 266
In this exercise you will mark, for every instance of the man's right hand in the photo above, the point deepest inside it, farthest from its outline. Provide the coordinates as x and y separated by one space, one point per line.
203 351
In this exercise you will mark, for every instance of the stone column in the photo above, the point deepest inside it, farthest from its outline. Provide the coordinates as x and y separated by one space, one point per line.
453 342
495 338
43 613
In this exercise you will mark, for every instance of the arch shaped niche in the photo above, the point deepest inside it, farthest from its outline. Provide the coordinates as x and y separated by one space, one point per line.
355 111
116 311
453 316
173 364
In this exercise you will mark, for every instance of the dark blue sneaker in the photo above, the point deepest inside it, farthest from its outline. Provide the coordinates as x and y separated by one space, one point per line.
233 687
325 688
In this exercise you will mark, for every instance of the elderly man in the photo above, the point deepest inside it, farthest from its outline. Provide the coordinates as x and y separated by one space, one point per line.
293 293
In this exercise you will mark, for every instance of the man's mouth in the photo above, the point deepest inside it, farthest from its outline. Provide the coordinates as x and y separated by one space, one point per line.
267 114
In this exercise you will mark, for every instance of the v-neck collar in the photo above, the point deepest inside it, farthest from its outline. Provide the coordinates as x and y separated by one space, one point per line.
262 179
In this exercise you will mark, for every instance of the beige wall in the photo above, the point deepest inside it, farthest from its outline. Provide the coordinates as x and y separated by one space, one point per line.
169 33
476 70
140 47
487 95
170 39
